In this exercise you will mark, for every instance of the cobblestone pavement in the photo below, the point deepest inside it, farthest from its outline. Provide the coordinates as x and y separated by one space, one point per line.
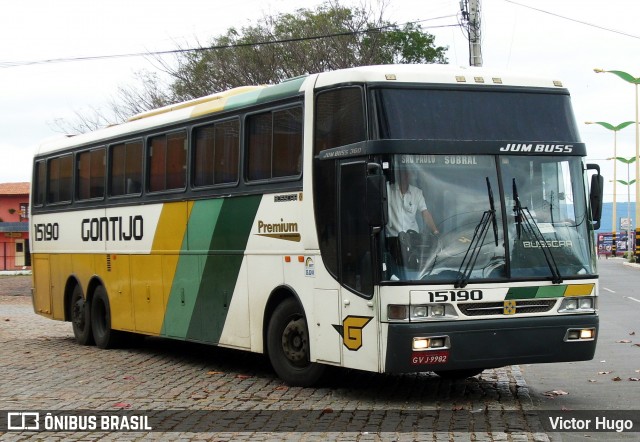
197 392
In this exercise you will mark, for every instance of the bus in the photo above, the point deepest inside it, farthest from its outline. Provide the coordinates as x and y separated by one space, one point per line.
265 219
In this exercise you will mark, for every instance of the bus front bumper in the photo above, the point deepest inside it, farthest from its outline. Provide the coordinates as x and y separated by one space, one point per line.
490 343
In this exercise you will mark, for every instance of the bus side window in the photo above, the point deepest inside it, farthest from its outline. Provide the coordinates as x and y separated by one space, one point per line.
226 155
59 179
339 120
274 147
167 162
287 142
259 149
216 153
90 174
126 169
40 183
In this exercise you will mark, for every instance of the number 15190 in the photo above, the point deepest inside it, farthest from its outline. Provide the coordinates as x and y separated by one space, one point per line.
455 295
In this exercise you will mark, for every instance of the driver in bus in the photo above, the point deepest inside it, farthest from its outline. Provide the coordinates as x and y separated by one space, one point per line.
405 202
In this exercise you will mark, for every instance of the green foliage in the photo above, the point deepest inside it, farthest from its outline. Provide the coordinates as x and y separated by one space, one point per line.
306 41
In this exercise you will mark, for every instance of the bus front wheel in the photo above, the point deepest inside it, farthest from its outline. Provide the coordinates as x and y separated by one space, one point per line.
104 336
81 317
288 346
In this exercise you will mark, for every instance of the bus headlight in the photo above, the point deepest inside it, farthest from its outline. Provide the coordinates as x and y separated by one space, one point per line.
437 310
585 303
420 312
431 343
571 304
580 334
581 304
428 311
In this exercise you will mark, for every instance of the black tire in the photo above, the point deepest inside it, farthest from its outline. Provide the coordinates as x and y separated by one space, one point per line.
103 335
81 318
288 346
459 374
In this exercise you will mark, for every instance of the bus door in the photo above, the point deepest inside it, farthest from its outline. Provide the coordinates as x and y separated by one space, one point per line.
358 293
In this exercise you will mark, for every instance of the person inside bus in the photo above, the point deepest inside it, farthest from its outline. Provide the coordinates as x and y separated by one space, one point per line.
405 202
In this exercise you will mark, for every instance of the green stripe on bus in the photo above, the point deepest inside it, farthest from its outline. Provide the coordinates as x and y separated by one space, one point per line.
221 267
283 90
553 291
521 293
188 276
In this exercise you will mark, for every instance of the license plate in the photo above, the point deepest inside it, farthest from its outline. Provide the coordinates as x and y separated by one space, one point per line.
429 357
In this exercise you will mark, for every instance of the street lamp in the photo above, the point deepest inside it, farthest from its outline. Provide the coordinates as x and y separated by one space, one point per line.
628 183
635 81
614 219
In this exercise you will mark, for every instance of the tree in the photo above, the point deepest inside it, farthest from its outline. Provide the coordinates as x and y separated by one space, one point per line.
276 48
306 41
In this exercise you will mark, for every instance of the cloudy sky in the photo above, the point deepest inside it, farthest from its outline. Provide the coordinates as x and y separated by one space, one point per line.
563 40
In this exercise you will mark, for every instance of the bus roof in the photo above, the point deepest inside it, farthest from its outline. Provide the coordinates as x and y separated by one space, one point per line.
248 95
222 101
433 74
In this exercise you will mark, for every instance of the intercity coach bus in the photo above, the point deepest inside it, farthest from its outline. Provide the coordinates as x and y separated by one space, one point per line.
266 219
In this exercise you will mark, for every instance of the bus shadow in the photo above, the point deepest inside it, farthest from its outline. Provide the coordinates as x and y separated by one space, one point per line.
394 389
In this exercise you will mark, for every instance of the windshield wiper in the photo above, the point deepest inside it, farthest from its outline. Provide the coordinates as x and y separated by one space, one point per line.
526 221
479 235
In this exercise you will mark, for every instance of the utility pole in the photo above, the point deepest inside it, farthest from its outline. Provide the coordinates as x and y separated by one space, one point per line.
471 18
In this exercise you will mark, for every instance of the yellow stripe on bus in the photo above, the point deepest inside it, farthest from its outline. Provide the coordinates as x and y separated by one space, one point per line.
579 290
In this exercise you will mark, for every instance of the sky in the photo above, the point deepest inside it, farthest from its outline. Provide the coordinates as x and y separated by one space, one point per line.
563 40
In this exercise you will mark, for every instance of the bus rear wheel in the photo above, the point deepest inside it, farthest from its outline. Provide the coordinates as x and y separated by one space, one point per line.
288 346
81 317
104 336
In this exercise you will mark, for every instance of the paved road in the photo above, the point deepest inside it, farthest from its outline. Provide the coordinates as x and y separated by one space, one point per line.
226 394
195 392
608 382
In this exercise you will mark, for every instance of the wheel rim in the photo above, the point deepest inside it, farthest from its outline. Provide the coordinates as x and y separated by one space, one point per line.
295 342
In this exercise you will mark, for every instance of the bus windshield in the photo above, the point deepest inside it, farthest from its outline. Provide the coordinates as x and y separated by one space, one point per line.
461 218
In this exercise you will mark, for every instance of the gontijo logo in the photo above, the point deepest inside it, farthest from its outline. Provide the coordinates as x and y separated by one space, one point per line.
351 331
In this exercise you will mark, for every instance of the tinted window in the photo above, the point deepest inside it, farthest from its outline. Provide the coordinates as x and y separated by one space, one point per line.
168 162
287 143
339 118
126 168
40 183
216 153
474 115
60 179
274 144
91 174
259 151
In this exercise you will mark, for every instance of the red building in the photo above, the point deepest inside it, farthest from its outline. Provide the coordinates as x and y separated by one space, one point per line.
14 226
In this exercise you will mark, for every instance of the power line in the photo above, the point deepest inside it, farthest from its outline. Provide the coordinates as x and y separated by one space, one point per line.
574 20
10 64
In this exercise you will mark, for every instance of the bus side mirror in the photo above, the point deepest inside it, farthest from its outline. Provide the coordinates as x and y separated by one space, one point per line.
596 195
376 198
